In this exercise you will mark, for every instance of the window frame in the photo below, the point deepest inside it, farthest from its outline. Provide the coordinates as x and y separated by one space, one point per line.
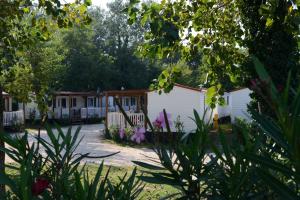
88 101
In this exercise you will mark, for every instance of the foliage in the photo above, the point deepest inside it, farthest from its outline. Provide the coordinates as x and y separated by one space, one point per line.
260 161
166 80
103 54
113 133
22 23
58 174
45 78
225 33
279 163
179 125
129 134
186 165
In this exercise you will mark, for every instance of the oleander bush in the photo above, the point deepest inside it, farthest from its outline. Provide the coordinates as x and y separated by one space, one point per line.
52 169
261 161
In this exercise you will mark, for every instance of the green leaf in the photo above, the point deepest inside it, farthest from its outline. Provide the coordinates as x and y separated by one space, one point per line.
148 166
88 2
269 22
278 187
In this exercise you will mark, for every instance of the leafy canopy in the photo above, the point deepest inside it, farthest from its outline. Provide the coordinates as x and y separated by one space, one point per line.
226 32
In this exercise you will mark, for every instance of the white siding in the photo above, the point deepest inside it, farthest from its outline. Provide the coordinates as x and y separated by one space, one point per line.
224 110
80 101
179 102
30 108
239 100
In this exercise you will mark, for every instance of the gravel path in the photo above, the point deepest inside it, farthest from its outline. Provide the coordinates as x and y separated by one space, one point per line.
93 143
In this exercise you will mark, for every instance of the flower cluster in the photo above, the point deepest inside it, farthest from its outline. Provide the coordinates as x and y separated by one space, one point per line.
134 134
139 135
122 133
160 121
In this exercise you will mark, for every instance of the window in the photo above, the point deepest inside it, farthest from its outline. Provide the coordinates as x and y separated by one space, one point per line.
133 101
54 103
90 102
63 103
127 102
227 100
74 103
58 102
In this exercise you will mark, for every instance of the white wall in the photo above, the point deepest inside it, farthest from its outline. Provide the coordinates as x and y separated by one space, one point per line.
80 101
239 100
224 110
180 101
29 108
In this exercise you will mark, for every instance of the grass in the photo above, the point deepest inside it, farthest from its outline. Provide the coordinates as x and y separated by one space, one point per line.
151 191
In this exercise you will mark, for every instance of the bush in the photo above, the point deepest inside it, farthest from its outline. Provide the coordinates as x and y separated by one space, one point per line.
261 162
131 135
57 173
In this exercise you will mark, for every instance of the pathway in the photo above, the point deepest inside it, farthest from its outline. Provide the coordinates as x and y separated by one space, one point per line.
93 143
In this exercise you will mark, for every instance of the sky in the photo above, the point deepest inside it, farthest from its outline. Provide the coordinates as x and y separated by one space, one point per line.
101 3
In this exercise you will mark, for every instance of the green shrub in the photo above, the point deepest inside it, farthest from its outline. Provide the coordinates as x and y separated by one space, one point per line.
57 173
261 160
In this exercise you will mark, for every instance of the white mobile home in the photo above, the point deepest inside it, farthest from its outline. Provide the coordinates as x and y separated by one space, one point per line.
238 104
10 116
67 104
181 101
235 105
78 106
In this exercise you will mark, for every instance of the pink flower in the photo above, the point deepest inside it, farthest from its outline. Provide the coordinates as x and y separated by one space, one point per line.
122 133
157 123
139 135
160 121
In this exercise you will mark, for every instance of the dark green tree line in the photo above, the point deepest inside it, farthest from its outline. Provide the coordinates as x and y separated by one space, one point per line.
104 54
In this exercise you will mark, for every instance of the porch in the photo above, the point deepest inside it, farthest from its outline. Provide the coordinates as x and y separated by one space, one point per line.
132 102
79 113
13 118
118 119
76 106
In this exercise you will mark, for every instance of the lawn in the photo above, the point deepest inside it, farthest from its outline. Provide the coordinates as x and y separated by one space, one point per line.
151 191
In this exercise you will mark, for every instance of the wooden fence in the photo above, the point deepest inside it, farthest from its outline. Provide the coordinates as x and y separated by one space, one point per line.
118 119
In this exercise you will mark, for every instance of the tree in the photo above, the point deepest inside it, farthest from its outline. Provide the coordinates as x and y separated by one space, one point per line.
45 78
227 33
120 40
103 54
86 65
22 22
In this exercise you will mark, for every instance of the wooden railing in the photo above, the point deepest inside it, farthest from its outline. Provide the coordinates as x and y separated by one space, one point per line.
92 112
118 119
13 118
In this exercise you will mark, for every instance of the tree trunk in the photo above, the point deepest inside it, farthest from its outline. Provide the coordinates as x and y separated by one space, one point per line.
2 145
